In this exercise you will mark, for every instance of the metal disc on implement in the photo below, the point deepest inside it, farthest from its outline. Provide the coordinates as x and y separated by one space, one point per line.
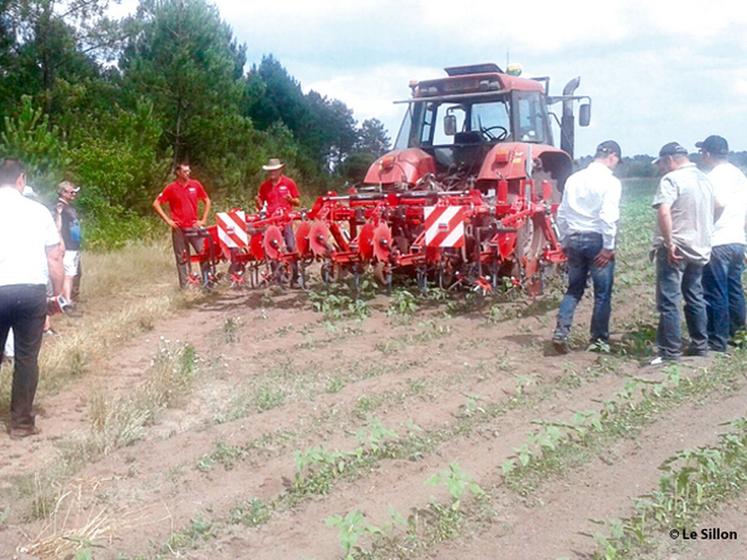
302 238
273 243
318 238
382 242
365 241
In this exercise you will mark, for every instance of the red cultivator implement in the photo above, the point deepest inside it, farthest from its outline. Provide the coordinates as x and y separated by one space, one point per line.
464 204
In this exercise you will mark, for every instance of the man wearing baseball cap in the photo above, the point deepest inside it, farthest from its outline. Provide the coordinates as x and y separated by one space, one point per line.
685 204
722 276
587 221
66 219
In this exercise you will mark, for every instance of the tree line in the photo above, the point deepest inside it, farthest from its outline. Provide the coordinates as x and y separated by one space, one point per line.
114 104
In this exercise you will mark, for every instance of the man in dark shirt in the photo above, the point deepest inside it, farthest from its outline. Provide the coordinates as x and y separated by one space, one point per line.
66 218
183 196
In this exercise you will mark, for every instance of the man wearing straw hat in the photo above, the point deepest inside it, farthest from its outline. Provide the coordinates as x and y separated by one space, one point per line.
280 195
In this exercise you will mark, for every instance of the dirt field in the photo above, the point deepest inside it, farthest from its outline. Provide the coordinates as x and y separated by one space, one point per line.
276 420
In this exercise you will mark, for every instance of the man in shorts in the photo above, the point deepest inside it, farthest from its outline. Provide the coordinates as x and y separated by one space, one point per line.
68 224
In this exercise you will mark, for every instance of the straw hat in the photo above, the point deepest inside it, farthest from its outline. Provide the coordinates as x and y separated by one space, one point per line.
273 164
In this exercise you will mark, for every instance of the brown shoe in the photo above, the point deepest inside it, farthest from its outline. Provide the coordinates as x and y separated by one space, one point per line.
20 433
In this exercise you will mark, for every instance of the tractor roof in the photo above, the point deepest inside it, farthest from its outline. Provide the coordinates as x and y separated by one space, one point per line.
476 78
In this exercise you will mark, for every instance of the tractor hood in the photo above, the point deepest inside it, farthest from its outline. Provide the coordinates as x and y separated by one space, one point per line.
400 166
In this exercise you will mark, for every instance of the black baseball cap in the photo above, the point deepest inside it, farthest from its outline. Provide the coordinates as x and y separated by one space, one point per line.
671 149
714 144
609 147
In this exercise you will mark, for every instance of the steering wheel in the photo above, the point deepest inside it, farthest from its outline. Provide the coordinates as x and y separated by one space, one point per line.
502 134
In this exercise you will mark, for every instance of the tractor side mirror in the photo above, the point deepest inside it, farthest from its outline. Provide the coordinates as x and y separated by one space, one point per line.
450 125
584 114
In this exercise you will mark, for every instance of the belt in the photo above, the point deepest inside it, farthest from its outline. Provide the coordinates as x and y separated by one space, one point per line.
585 234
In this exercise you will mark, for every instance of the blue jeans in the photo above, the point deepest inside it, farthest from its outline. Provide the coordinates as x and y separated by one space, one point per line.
581 249
671 281
722 288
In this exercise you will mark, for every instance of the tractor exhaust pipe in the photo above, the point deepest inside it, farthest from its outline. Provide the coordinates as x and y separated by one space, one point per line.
567 130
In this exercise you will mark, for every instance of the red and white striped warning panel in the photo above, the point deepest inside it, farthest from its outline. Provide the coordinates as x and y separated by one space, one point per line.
444 226
232 230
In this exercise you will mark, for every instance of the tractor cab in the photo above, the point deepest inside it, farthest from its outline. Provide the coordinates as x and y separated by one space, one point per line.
476 126
459 132
458 119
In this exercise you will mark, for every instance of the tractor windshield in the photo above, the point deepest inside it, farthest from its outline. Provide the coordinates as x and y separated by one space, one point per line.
520 116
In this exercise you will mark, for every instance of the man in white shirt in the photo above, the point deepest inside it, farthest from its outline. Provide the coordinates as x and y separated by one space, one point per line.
722 276
587 221
30 253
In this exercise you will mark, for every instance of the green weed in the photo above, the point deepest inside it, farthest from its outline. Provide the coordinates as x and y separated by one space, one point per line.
252 513
268 397
224 454
403 303
231 330
335 385
198 530
351 528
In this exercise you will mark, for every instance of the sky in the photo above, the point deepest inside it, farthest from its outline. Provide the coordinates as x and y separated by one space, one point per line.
656 71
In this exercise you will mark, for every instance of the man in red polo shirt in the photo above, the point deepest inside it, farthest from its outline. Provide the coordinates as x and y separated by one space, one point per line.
183 196
280 193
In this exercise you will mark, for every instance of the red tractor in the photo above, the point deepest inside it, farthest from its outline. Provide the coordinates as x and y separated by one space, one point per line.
469 193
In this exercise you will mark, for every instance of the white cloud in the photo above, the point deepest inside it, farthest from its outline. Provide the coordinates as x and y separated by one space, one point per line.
696 19
535 27
656 70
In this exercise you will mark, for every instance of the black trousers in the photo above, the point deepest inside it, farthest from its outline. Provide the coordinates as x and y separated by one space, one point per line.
23 307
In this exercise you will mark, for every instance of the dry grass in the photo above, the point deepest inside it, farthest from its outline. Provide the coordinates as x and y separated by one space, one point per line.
79 524
119 422
132 272
115 423
73 525
123 293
